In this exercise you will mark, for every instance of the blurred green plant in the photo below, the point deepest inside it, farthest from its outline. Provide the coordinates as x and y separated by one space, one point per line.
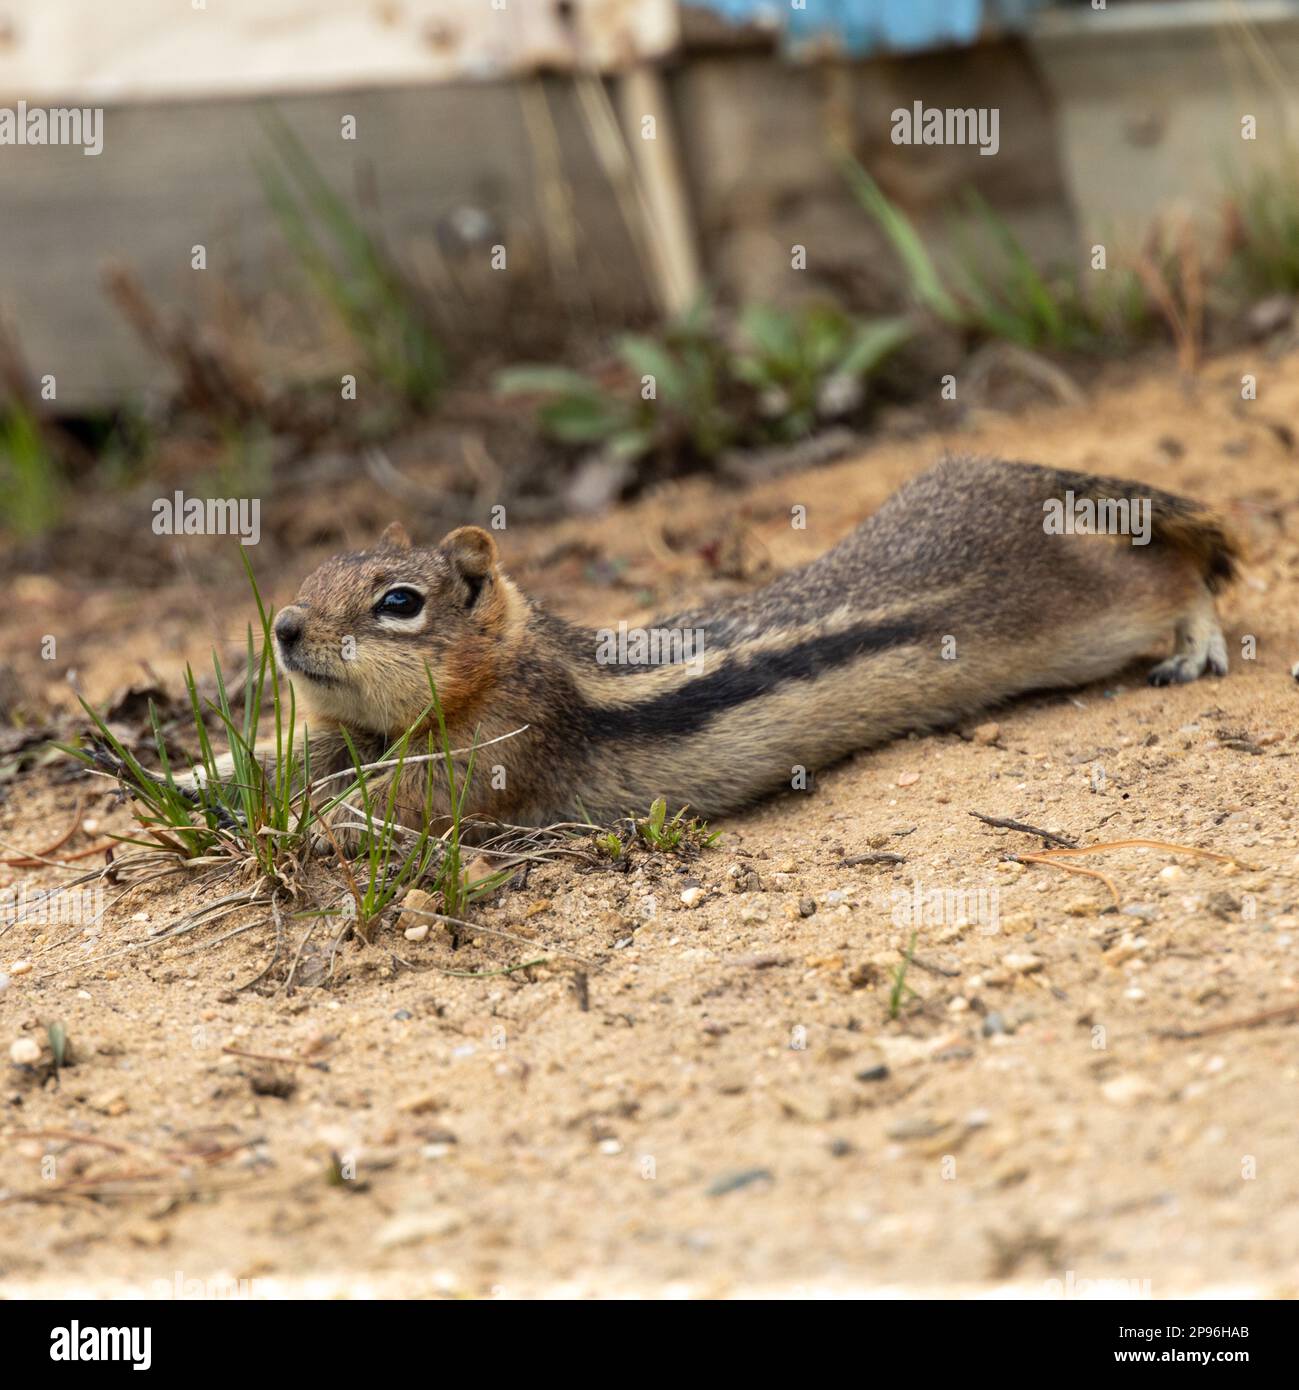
1009 297
31 480
692 387
351 271
660 833
809 363
1262 213
1002 293
681 379
926 282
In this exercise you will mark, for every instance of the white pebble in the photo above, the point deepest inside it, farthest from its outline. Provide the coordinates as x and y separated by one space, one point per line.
1128 1090
24 1052
21 967
416 933
692 897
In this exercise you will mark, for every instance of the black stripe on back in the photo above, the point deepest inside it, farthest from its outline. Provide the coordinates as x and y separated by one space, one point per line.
690 706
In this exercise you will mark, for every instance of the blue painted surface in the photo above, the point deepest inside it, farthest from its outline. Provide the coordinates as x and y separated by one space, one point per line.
859 27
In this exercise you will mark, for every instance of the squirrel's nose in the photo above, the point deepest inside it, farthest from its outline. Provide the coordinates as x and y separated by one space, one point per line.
288 627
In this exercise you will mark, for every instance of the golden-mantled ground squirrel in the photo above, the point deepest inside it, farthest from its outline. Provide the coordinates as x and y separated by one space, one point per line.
975 582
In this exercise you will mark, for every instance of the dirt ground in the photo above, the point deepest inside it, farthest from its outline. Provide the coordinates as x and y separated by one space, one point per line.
715 1100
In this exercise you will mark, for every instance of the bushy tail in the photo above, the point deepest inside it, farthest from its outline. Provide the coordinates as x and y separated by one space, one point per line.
1185 525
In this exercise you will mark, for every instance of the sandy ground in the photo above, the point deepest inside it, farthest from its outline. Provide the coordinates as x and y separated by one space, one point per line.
716 1100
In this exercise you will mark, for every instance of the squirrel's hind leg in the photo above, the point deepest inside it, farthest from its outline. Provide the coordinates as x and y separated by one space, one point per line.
1199 646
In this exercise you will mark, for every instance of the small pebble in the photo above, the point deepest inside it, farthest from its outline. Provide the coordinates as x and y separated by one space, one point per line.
1022 962
806 907
1128 1090
24 1052
414 906
987 733
21 967
908 779
692 897
993 1024
416 933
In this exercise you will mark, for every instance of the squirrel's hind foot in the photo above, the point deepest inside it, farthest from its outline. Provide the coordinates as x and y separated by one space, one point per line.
1200 647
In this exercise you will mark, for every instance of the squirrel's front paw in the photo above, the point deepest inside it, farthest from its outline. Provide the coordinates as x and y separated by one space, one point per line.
344 829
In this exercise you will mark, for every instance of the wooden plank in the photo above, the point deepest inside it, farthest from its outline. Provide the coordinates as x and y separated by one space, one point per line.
98 53
650 128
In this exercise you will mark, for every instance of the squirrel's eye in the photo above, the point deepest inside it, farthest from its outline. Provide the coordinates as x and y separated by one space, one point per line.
399 603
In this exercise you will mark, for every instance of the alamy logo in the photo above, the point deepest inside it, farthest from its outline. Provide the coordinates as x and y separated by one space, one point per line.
947 907
56 125
77 1343
650 646
1073 1287
1097 516
935 125
62 907
208 516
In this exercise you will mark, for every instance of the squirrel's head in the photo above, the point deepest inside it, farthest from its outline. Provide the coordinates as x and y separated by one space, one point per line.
367 631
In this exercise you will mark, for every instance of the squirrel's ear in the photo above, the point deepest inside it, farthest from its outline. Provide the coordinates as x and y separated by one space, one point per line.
395 537
471 550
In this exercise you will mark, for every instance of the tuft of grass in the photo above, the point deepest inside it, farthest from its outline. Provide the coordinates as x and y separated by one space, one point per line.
351 271
1262 214
609 843
926 282
1002 293
57 1034
254 807
668 835
1013 299
395 861
901 991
